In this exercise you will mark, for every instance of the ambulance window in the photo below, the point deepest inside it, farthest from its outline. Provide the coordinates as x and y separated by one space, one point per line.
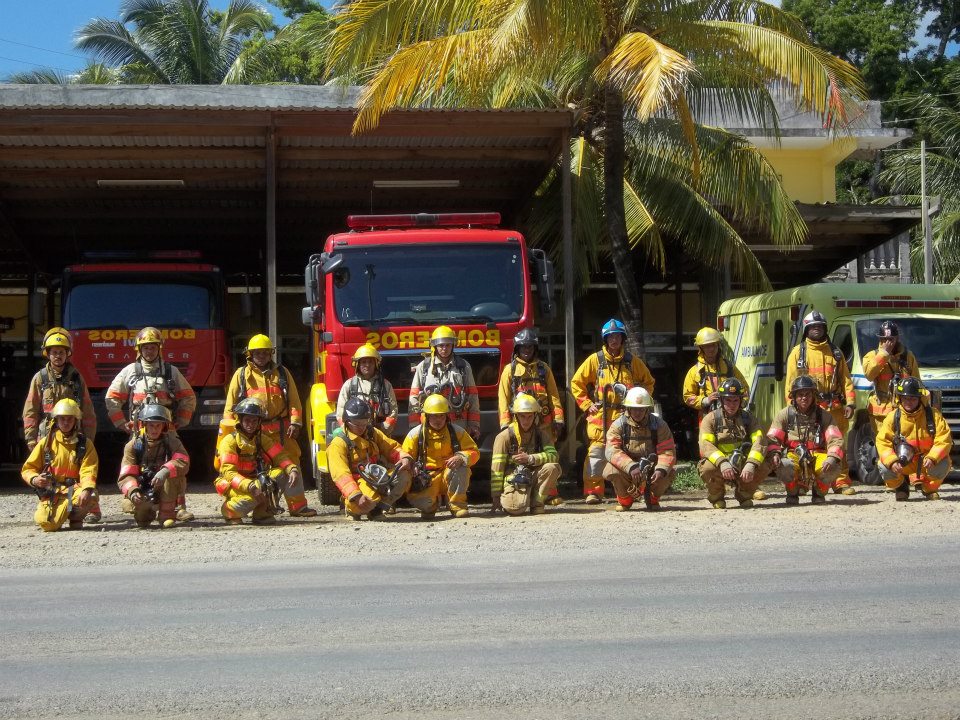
778 350
843 339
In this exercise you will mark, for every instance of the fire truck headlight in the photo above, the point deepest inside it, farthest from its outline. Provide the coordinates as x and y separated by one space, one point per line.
214 403
209 419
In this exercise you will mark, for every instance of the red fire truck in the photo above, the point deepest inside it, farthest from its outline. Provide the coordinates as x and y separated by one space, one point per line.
105 305
394 278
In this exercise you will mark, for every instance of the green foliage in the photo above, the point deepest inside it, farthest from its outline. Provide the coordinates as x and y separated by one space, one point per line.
687 480
294 9
873 35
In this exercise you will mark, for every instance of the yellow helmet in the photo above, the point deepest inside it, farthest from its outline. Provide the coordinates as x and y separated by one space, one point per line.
443 334
435 405
524 403
57 337
149 335
707 335
365 351
259 342
67 407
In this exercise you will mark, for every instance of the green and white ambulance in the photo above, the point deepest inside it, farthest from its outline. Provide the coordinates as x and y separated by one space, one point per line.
762 329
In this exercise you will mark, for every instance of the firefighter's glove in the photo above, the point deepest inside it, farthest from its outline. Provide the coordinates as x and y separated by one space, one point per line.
746 475
658 475
454 461
728 471
829 464
363 503
927 464
406 464
635 473
160 477
293 432
41 481
848 411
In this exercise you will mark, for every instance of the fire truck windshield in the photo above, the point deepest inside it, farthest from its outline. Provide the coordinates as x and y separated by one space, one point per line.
424 284
934 341
134 305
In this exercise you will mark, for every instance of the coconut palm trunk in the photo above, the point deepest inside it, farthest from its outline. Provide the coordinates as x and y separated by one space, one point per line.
614 157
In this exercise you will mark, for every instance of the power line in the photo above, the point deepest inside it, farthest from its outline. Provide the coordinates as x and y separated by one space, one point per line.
37 47
39 65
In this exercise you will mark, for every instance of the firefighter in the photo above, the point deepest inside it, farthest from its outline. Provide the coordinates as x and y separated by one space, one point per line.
818 358
442 372
701 387
63 470
806 446
252 463
153 472
885 367
56 380
914 443
369 384
525 466
526 373
150 380
357 453
443 454
640 453
272 384
599 386
732 448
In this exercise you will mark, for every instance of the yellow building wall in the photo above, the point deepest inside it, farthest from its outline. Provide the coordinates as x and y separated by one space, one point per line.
809 174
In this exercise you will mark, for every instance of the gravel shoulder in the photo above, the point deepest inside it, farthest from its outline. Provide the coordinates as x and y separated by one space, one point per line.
687 523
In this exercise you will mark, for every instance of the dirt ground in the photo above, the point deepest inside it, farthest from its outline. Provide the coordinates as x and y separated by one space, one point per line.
686 521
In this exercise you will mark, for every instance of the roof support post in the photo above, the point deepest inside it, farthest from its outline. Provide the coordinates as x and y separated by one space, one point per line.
270 270
569 338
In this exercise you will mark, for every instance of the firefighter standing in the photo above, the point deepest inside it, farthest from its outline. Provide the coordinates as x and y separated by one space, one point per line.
251 463
525 466
272 385
153 472
369 384
885 367
806 446
640 453
914 443
443 453
444 373
701 387
732 448
57 380
63 470
150 380
356 453
599 386
816 357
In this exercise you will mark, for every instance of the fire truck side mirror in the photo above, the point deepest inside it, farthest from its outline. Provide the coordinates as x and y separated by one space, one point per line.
311 316
543 279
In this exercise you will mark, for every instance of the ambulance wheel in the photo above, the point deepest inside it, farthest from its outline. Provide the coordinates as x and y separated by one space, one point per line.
328 492
866 456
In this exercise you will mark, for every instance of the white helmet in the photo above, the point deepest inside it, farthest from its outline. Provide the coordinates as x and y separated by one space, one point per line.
638 397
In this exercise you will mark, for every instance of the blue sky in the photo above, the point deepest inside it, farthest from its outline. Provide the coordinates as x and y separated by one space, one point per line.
48 26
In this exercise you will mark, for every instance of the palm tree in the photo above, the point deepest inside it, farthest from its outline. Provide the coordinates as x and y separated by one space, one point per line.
938 121
620 63
92 74
174 41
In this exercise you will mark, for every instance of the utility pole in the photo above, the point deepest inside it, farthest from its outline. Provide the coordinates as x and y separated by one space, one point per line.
925 220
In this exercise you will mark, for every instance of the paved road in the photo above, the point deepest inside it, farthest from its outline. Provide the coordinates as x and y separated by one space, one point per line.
869 632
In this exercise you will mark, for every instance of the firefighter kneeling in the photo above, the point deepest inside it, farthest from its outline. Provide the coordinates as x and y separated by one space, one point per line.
354 454
525 470
153 473
812 441
443 454
63 471
255 470
914 443
640 453
732 448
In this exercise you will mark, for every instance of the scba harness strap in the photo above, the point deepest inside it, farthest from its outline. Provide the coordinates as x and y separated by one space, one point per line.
928 414
626 430
165 371
837 357
281 382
